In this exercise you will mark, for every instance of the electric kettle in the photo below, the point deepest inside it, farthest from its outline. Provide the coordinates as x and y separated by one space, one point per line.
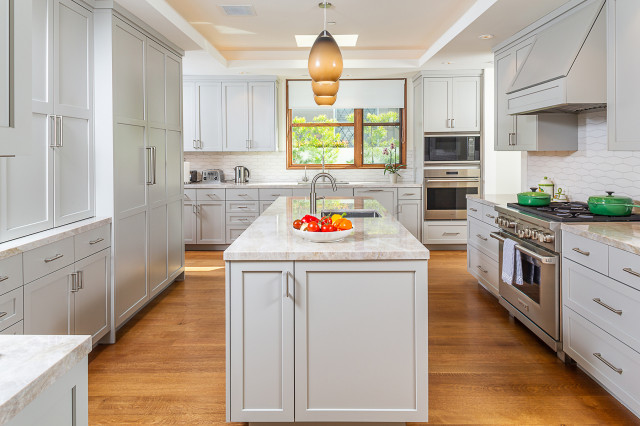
241 174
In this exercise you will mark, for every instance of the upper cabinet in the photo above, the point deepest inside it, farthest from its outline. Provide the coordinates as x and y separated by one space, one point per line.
237 115
452 104
623 68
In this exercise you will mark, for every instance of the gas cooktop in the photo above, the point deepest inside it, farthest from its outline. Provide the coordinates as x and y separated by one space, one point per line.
574 211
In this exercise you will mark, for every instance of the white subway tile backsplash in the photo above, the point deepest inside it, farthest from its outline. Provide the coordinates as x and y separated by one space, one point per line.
592 169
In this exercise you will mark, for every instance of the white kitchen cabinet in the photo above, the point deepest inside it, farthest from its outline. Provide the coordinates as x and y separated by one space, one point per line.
623 66
11 308
211 222
48 304
16 329
190 116
385 196
452 104
91 300
262 368
209 116
410 216
190 218
235 129
262 116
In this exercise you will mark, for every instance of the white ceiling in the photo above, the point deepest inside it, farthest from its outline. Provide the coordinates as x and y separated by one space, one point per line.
394 36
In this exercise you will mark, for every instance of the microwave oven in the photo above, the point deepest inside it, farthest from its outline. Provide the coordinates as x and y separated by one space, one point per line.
439 149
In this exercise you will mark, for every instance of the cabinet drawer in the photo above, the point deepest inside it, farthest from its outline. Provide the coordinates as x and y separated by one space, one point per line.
483 268
233 232
16 329
216 194
480 236
589 253
409 193
92 242
46 259
624 267
243 194
489 215
607 303
190 194
11 305
242 207
265 205
10 273
241 219
583 340
267 194
474 209
445 233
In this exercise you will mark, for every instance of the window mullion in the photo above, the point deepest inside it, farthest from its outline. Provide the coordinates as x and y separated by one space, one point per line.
357 137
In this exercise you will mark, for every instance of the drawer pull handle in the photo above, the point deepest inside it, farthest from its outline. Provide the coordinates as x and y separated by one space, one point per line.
243 207
96 241
631 271
481 237
484 271
243 195
472 209
243 220
6 277
607 363
374 190
444 234
213 197
584 253
2 314
490 216
601 303
408 193
51 259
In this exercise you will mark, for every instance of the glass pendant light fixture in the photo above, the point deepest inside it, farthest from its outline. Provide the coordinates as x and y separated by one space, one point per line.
325 65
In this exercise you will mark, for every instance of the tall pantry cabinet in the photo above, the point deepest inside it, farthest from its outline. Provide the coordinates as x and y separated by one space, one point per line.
139 144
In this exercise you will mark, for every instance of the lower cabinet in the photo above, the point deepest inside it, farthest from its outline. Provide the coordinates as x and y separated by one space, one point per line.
387 197
48 304
445 232
211 222
410 216
485 269
15 329
190 222
327 341
91 300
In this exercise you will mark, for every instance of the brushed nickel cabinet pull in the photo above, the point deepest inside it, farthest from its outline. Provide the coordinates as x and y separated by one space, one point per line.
7 155
607 363
450 233
51 259
631 271
375 190
472 209
242 195
96 241
490 216
584 253
285 283
6 277
2 314
243 207
484 271
453 123
406 194
80 280
74 282
481 237
601 303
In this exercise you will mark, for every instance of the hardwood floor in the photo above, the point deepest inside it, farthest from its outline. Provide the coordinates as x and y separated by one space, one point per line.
168 366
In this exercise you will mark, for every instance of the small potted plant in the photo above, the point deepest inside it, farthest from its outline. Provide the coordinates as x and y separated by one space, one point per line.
392 166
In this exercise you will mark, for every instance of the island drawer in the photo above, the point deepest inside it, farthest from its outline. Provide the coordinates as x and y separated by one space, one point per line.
243 207
483 268
216 194
624 267
584 251
233 232
489 215
11 308
91 242
474 209
267 194
10 273
610 361
15 329
480 236
243 194
409 193
47 259
241 219
442 232
607 303
190 195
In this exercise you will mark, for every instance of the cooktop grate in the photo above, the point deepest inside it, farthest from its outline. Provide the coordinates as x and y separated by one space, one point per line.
574 211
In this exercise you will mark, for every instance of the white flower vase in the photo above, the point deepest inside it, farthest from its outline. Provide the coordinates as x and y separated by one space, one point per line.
393 178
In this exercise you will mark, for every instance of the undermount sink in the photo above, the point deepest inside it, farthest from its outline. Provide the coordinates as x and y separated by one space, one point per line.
352 213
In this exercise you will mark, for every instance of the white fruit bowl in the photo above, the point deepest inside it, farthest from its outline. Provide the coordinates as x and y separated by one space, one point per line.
323 237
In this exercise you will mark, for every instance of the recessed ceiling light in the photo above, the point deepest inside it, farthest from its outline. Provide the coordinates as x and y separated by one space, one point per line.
343 40
238 10
485 36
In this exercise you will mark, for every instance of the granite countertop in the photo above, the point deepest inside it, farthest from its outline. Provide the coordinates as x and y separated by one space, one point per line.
494 199
30 242
29 364
271 236
623 235
231 185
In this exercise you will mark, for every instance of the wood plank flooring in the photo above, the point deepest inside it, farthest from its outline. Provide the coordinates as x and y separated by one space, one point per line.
168 366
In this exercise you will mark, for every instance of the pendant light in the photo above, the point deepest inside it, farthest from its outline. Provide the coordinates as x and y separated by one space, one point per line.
325 65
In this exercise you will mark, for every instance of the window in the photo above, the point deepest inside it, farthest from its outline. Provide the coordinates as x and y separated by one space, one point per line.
345 137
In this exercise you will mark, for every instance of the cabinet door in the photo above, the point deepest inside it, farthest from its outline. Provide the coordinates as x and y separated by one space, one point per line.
155 75
173 83
235 126
211 222
158 248
465 104
175 256
437 104
91 301
410 216
128 64
360 341
505 124
189 222
48 304
387 197
189 116
526 130
157 142
209 117
262 116
261 347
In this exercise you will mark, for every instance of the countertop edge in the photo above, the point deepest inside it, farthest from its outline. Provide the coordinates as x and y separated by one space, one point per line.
294 185
493 199
579 229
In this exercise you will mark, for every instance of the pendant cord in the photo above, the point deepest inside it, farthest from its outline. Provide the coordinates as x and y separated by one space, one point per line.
325 15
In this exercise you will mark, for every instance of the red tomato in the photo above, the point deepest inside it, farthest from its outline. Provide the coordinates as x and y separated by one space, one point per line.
326 221
313 227
297 224
328 228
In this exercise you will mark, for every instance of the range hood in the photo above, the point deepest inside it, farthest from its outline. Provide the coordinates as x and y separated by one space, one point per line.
565 70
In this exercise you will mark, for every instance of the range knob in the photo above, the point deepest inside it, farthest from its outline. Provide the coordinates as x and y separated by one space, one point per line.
549 238
534 234
510 224
527 233
521 233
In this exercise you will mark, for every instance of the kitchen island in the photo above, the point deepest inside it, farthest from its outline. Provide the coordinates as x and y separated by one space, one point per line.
333 332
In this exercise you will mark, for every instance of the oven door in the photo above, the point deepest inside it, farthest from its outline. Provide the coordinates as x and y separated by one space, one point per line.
447 198
538 297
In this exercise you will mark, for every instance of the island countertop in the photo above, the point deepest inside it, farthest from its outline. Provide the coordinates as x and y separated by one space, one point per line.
271 236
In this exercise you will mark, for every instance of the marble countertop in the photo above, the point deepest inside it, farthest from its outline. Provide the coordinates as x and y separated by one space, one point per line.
258 185
494 199
30 242
623 235
29 364
271 236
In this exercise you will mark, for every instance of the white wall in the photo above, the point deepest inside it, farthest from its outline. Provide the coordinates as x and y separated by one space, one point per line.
592 169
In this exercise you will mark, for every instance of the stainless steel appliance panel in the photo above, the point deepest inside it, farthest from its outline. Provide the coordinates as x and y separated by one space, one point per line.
446 190
449 148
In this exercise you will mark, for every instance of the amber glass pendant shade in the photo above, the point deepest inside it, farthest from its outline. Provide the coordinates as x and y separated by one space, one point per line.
325 88
325 100
325 59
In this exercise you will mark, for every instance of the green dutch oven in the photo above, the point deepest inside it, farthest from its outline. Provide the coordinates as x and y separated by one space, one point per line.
534 198
608 205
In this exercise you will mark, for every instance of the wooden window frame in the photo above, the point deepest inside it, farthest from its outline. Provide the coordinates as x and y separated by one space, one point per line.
358 126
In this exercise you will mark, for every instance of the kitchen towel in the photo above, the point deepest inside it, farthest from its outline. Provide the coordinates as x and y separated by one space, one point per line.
510 258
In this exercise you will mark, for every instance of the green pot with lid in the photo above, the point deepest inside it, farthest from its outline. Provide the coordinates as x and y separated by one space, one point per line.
610 205
534 198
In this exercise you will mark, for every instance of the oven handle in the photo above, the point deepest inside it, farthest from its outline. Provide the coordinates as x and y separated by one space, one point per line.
549 260
451 180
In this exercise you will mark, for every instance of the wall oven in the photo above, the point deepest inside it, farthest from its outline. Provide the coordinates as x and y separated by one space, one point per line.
446 190
439 149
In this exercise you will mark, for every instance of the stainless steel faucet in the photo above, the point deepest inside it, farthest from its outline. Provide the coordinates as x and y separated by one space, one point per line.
313 197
